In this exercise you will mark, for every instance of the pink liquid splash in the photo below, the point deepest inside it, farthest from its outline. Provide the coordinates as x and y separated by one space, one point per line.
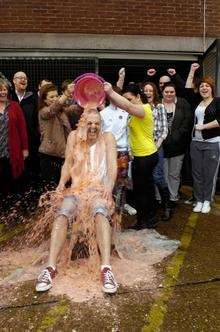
77 277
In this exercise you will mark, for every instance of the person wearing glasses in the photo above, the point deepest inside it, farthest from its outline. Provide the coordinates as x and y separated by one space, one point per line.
28 103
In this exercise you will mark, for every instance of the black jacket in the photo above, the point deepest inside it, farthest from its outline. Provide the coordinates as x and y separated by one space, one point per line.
192 97
212 113
179 135
29 107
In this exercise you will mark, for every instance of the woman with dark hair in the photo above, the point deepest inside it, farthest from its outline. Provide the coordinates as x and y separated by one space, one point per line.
143 149
54 130
160 134
180 122
204 150
13 139
151 92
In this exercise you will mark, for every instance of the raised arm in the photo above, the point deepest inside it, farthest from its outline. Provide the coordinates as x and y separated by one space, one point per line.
121 78
49 112
123 103
177 80
152 76
190 78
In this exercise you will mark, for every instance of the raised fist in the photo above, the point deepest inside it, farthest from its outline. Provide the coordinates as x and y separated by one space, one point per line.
121 73
171 71
194 66
151 72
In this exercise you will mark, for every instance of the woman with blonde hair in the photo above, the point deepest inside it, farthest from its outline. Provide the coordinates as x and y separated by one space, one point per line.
13 139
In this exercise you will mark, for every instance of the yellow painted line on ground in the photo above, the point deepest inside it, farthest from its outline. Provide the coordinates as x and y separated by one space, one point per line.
154 319
1 227
217 201
55 314
217 204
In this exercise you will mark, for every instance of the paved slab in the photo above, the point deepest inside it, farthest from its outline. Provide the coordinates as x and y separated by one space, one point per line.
187 301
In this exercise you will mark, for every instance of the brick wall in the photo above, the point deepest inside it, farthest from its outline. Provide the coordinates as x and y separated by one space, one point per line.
143 17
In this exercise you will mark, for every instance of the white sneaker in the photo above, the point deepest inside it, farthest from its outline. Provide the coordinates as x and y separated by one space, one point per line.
190 200
44 281
206 207
130 210
198 207
109 284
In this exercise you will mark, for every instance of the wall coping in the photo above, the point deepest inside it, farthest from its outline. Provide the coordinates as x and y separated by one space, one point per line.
101 42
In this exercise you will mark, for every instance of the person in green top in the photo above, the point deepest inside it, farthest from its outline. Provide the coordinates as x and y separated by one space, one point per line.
143 149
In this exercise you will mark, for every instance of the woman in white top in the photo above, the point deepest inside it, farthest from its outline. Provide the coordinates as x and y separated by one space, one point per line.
205 144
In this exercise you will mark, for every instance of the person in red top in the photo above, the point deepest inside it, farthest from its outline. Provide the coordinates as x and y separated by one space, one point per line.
13 139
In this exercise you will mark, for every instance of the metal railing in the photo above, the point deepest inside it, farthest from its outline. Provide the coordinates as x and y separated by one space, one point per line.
54 69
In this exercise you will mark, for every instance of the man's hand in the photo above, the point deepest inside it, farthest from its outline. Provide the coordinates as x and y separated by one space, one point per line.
101 107
151 72
199 127
69 90
171 71
194 66
25 153
121 73
60 187
107 194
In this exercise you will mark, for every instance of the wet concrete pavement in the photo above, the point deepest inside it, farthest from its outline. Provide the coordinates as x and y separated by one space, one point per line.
195 302
186 296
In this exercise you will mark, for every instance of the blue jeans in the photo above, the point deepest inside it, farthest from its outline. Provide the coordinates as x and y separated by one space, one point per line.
158 173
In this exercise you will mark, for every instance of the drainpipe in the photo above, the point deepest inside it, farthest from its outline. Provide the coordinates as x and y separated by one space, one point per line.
204 25
217 70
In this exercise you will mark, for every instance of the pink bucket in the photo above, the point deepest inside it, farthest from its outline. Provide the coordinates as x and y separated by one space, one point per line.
89 90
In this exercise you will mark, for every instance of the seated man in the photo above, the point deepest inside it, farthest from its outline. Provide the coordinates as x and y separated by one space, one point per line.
90 164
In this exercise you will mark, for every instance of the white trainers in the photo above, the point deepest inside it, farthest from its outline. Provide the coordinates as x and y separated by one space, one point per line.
190 200
198 207
130 210
206 207
109 284
44 281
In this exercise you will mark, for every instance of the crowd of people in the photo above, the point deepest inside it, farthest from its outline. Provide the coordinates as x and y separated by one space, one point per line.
136 142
